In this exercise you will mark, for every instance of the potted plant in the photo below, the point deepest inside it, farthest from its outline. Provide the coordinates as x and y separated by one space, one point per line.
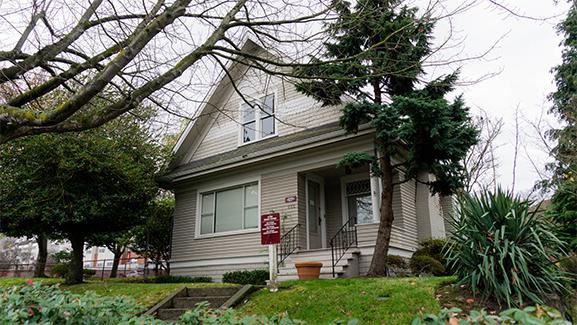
308 270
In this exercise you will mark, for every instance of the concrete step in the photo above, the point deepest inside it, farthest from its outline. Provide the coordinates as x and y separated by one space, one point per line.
212 291
291 263
286 277
171 314
324 269
190 302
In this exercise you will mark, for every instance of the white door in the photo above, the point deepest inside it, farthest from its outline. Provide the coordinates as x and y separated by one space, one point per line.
315 214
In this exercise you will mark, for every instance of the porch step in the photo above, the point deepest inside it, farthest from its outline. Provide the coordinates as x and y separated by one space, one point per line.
347 266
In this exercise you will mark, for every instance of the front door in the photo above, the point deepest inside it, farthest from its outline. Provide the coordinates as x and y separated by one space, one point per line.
314 214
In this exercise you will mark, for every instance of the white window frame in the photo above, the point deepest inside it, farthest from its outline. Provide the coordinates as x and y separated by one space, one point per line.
258 114
215 187
344 200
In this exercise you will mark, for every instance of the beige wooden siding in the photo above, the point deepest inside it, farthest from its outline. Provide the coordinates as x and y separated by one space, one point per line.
399 220
401 244
334 207
184 223
367 236
216 271
408 200
274 189
447 207
302 211
294 112
238 245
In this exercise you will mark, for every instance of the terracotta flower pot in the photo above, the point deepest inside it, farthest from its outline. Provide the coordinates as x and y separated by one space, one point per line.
308 270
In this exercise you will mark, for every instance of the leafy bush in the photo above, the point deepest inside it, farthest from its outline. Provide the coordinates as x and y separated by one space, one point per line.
529 315
177 279
88 273
257 277
504 251
396 261
59 270
435 251
435 248
36 304
426 265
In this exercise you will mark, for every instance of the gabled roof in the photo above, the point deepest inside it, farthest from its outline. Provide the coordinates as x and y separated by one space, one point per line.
204 115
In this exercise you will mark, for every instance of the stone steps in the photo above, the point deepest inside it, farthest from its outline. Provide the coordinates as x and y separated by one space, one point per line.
190 297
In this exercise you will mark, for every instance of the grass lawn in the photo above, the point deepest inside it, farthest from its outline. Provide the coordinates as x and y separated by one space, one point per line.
8 282
146 294
369 300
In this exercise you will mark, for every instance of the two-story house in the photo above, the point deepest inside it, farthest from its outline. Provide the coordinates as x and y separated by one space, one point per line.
276 150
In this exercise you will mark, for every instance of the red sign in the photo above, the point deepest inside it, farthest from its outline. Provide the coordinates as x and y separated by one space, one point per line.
270 229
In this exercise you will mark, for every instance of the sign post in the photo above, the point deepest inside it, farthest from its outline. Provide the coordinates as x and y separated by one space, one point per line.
270 235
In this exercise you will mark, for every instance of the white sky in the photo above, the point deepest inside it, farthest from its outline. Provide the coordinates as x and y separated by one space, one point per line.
525 56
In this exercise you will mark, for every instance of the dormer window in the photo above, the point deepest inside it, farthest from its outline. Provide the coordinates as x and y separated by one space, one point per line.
258 119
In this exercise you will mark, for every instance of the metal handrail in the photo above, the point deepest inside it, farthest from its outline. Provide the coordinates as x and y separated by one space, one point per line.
289 243
345 238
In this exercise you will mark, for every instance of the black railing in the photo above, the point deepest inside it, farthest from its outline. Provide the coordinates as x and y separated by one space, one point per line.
289 242
345 238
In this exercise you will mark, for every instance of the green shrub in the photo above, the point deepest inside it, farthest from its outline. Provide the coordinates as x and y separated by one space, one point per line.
59 270
504 251
179 279
426 265
529 315
257 277
36 304
396 261
434 248
88 273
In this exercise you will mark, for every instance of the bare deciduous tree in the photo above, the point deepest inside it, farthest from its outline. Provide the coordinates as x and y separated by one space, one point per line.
127 52
480 163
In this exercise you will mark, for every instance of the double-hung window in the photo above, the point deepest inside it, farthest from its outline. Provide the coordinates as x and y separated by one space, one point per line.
258 119
359 201
229 209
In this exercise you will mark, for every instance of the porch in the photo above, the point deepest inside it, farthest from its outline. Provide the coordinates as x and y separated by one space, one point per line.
332 204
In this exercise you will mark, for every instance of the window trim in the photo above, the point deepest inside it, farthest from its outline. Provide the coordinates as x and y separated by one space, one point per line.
258 119
344 198
215 187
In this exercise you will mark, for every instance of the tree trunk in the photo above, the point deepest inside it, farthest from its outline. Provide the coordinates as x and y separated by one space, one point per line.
75 274
378 263
40 267
118 251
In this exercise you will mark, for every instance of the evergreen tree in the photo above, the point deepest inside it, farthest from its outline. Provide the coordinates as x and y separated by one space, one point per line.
79 185
375 56
564 180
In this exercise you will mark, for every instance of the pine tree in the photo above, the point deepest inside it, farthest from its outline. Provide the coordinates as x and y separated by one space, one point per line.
564 99
375 56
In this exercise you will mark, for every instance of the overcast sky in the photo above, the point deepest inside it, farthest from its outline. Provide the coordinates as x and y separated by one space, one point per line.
524 58
526 51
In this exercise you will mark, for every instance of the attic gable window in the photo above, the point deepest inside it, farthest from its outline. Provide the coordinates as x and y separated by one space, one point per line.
258 119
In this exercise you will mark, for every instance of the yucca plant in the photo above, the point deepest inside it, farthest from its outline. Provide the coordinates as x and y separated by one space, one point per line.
504 250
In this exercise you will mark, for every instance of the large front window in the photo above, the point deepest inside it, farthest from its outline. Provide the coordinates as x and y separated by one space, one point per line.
359 201
258 120
229 209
